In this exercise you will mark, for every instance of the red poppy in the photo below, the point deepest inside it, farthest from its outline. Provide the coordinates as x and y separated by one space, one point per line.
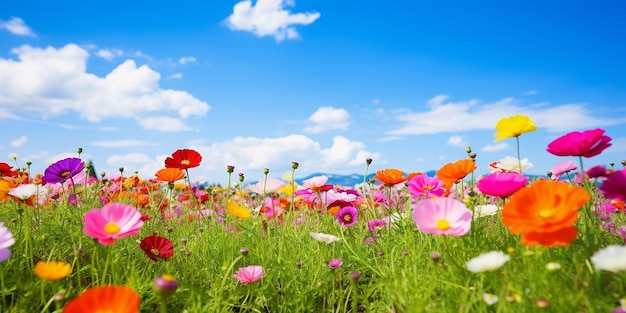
6 170
157 246
183 159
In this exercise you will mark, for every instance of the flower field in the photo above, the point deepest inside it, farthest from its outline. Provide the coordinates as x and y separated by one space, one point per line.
73 241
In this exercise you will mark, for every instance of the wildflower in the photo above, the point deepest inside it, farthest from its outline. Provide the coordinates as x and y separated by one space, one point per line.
597 171
63 170
118 299
442 216
249 274
238 210
157 247
553 266
390 176
423 186
324 237
335 263
6 170
347 216
612 258
562 168
614 186
6 241
486 210
183 159
514 126
169 175
355 276
487 262
586 144
165 285
501 184
490 298
317 184
26 192
544 212
52 270
452 172
269 185
375 225
114 221
510 164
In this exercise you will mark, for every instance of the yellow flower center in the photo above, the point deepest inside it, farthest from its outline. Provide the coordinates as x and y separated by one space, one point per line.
443 225
185 162
154 252
168 277
347 218
547 213
428 187
112 228
65 173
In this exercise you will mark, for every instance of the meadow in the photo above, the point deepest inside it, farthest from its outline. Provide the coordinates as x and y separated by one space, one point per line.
75 241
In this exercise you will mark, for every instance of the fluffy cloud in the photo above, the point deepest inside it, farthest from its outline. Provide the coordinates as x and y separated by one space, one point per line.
443 116
163 123
185 60
16 26
268 18
19 141
458 141
53 81
495 147
109 54
141 163
328 118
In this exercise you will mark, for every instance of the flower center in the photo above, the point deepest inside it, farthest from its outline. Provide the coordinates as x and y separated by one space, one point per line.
185 162
111 228
347 218
443 225
65 173
168 277
154 252
547 213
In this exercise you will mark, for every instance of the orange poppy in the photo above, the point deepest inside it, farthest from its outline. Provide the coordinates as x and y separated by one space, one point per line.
453 172
390 176
544 211
561 237
169 175
119 299
183 159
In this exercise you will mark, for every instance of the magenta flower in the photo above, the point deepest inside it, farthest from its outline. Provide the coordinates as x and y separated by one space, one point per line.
114 221
424 186
501 184
6 241
347 216
587 144
335 263
614 186
562 168
63 170
249 274
596 171
376 225
442 216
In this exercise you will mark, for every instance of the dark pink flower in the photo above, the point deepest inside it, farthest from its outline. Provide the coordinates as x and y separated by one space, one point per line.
424 186
335 263
347 216
596 171
375 225
501 184
588 143
614 186
249 274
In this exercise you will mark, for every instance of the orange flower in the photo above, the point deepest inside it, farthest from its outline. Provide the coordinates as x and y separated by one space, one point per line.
390 176
545 212
119 299
169 175
453 172
52 270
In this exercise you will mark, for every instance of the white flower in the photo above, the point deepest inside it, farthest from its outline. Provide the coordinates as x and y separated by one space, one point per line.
25 191
490 298
487 262
553 266
324 237
509 164
486 210
612 258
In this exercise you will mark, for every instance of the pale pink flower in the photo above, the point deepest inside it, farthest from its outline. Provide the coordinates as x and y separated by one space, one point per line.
562 168
249 274
271 185
114 221
442 216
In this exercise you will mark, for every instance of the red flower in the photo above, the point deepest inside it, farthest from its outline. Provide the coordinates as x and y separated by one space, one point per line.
6 170
588 143
157 246
183 159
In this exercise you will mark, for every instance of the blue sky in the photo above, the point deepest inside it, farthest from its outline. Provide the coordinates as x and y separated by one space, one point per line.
259 84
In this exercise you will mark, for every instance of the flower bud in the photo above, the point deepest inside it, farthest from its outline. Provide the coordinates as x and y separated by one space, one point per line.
165 285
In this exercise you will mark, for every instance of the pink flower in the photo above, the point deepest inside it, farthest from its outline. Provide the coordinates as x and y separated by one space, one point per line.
501 184
588 143
442 216
347 216
375 225
269 185
317 183
614 186
561 168
114 221
424 186
249 274
335 263
596 171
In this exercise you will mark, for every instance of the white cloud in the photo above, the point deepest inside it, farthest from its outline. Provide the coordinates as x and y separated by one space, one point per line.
447 117
141 163
163 123
328 118
175 76
122 143
109 54
268 18
53 81
375 101
185 60
16 26
495 147
19 142
530 93
458 141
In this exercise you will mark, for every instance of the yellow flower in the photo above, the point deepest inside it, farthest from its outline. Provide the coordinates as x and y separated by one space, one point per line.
238 210
513 126
52 270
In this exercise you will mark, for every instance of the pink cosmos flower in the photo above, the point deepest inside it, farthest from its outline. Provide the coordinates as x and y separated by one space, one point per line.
501 184
249 274
347 216
6 241
587 144
335 263
614 186
317 183
426 187
375 225
114 221
442 216
271 185
561 168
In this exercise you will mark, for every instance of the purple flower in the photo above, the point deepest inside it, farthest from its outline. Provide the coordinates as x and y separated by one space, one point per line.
347 216
335 263
375 225
63 170
6 241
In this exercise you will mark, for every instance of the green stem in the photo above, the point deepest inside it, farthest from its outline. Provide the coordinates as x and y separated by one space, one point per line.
163 305
519 156
106 263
